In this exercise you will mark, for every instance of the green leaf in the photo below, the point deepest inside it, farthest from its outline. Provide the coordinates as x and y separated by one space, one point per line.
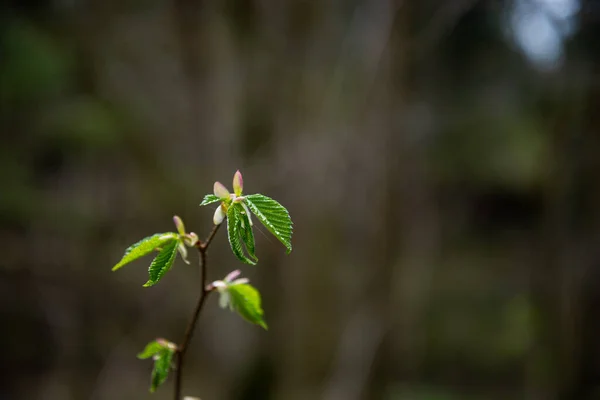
145 246
234 233
247 234
162 365
162 352
151 349
162 263
245 299
209 199
274 217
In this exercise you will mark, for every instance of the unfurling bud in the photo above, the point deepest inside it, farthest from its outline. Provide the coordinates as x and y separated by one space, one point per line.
232 275
221 191
219 215
238 183
190 239
179 224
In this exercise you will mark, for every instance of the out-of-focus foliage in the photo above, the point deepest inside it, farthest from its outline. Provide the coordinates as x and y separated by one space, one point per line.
242 297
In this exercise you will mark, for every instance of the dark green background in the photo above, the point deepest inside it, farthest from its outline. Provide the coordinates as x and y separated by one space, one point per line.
444 185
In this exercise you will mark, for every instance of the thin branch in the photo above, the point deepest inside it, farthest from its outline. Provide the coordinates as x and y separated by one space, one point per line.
189 331
206 243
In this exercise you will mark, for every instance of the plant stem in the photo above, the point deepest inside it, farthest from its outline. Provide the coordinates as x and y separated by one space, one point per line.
189 331
204 245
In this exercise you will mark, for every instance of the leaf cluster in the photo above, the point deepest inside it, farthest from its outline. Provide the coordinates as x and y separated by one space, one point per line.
269 212
237 294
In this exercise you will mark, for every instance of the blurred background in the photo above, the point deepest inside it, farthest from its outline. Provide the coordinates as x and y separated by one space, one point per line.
440 160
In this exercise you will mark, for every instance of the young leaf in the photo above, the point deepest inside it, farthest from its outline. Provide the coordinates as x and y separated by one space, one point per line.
162 353
179 225
209 199
234 234
222 286
162 365
221 192
151 349
247 234
145 246
162 263
245 299
274 217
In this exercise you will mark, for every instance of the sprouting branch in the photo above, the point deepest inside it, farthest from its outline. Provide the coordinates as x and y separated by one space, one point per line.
189 331
235 293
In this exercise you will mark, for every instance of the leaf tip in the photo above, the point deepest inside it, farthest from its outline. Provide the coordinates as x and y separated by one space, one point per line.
232 275
179 224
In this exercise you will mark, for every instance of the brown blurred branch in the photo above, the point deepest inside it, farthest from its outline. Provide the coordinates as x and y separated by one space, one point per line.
189 331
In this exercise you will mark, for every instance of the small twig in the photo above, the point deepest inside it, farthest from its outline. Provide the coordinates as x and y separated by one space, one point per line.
189 331
204 245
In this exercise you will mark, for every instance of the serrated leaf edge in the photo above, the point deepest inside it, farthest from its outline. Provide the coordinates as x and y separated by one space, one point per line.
166 266
164 237
268 222
209 199
165 356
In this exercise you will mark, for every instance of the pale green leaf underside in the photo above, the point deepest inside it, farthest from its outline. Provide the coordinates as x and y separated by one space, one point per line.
245 299
234 234
143 247
273 216
162 263
209 199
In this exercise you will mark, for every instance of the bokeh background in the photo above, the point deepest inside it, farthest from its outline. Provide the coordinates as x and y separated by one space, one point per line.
440 160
